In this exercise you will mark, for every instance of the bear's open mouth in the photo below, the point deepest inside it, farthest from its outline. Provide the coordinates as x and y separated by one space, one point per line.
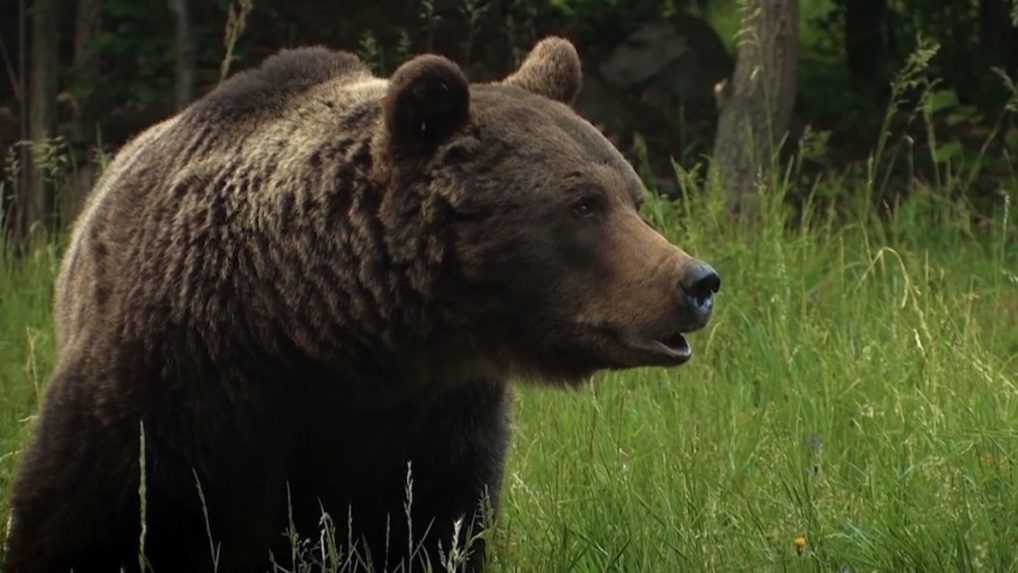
670 350
674 348
677 343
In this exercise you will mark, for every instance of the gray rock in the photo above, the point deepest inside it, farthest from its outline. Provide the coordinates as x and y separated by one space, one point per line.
670 61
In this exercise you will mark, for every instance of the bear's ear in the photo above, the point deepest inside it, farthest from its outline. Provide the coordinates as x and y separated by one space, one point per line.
427 100
552 69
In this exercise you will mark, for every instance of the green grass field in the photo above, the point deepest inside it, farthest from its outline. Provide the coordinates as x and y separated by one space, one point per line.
853 406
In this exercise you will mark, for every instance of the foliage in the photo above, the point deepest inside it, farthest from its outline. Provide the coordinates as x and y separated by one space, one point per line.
966 54
134 38
609 21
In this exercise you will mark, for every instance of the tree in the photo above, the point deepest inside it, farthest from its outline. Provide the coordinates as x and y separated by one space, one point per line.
998 34
15 205
85 69
45 25
864 38
85 113
184 54
756 104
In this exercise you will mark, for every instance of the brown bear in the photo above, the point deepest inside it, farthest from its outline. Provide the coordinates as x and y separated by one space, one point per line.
313 281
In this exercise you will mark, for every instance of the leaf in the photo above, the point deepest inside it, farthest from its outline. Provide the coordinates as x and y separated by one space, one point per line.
964 113
1011 138
941 100
949 151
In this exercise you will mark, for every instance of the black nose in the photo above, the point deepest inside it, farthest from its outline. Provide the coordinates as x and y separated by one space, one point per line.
700 282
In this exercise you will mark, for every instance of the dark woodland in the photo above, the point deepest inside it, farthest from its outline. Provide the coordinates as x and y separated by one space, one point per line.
80 78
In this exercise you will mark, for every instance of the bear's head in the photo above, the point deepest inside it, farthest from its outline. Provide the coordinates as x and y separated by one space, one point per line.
549 267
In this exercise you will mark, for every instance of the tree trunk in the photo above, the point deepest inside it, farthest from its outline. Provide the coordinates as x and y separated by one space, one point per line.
17 207
864 38
85 73
42 98
184 54
756 104
998 34
85 68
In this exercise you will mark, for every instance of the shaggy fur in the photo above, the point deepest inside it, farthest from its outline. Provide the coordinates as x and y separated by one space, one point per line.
312 279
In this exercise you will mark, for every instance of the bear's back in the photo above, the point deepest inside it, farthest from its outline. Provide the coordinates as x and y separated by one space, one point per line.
280 77
256 120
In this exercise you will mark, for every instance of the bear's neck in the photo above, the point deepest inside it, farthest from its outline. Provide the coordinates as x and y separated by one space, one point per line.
343 262
305 250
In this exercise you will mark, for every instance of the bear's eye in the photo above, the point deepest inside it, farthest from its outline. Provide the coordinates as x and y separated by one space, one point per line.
585 207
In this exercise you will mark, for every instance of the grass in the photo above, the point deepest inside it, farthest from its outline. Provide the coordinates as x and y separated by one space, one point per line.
26 352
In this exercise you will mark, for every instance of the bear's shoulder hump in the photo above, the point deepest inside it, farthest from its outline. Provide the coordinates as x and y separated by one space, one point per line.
281 75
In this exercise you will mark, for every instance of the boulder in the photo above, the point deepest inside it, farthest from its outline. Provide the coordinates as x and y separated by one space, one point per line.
667 62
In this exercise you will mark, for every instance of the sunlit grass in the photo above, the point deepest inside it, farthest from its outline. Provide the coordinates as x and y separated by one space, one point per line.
26 352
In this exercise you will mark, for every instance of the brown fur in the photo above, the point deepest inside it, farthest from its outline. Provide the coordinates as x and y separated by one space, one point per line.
552 69
313 277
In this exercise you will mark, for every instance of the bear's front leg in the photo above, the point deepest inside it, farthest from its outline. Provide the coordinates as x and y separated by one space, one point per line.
448 449
77 503
458 450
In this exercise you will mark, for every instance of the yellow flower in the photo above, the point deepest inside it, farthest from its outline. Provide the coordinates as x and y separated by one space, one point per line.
800 544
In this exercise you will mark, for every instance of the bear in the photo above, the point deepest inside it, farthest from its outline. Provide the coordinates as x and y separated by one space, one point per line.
312 290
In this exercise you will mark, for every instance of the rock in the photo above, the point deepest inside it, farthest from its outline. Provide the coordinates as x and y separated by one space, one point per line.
643 54
669 62
658 83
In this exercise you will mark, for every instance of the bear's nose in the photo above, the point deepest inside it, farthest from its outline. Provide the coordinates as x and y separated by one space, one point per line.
699 282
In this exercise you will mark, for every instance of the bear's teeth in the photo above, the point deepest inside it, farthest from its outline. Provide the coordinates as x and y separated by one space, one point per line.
676 342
